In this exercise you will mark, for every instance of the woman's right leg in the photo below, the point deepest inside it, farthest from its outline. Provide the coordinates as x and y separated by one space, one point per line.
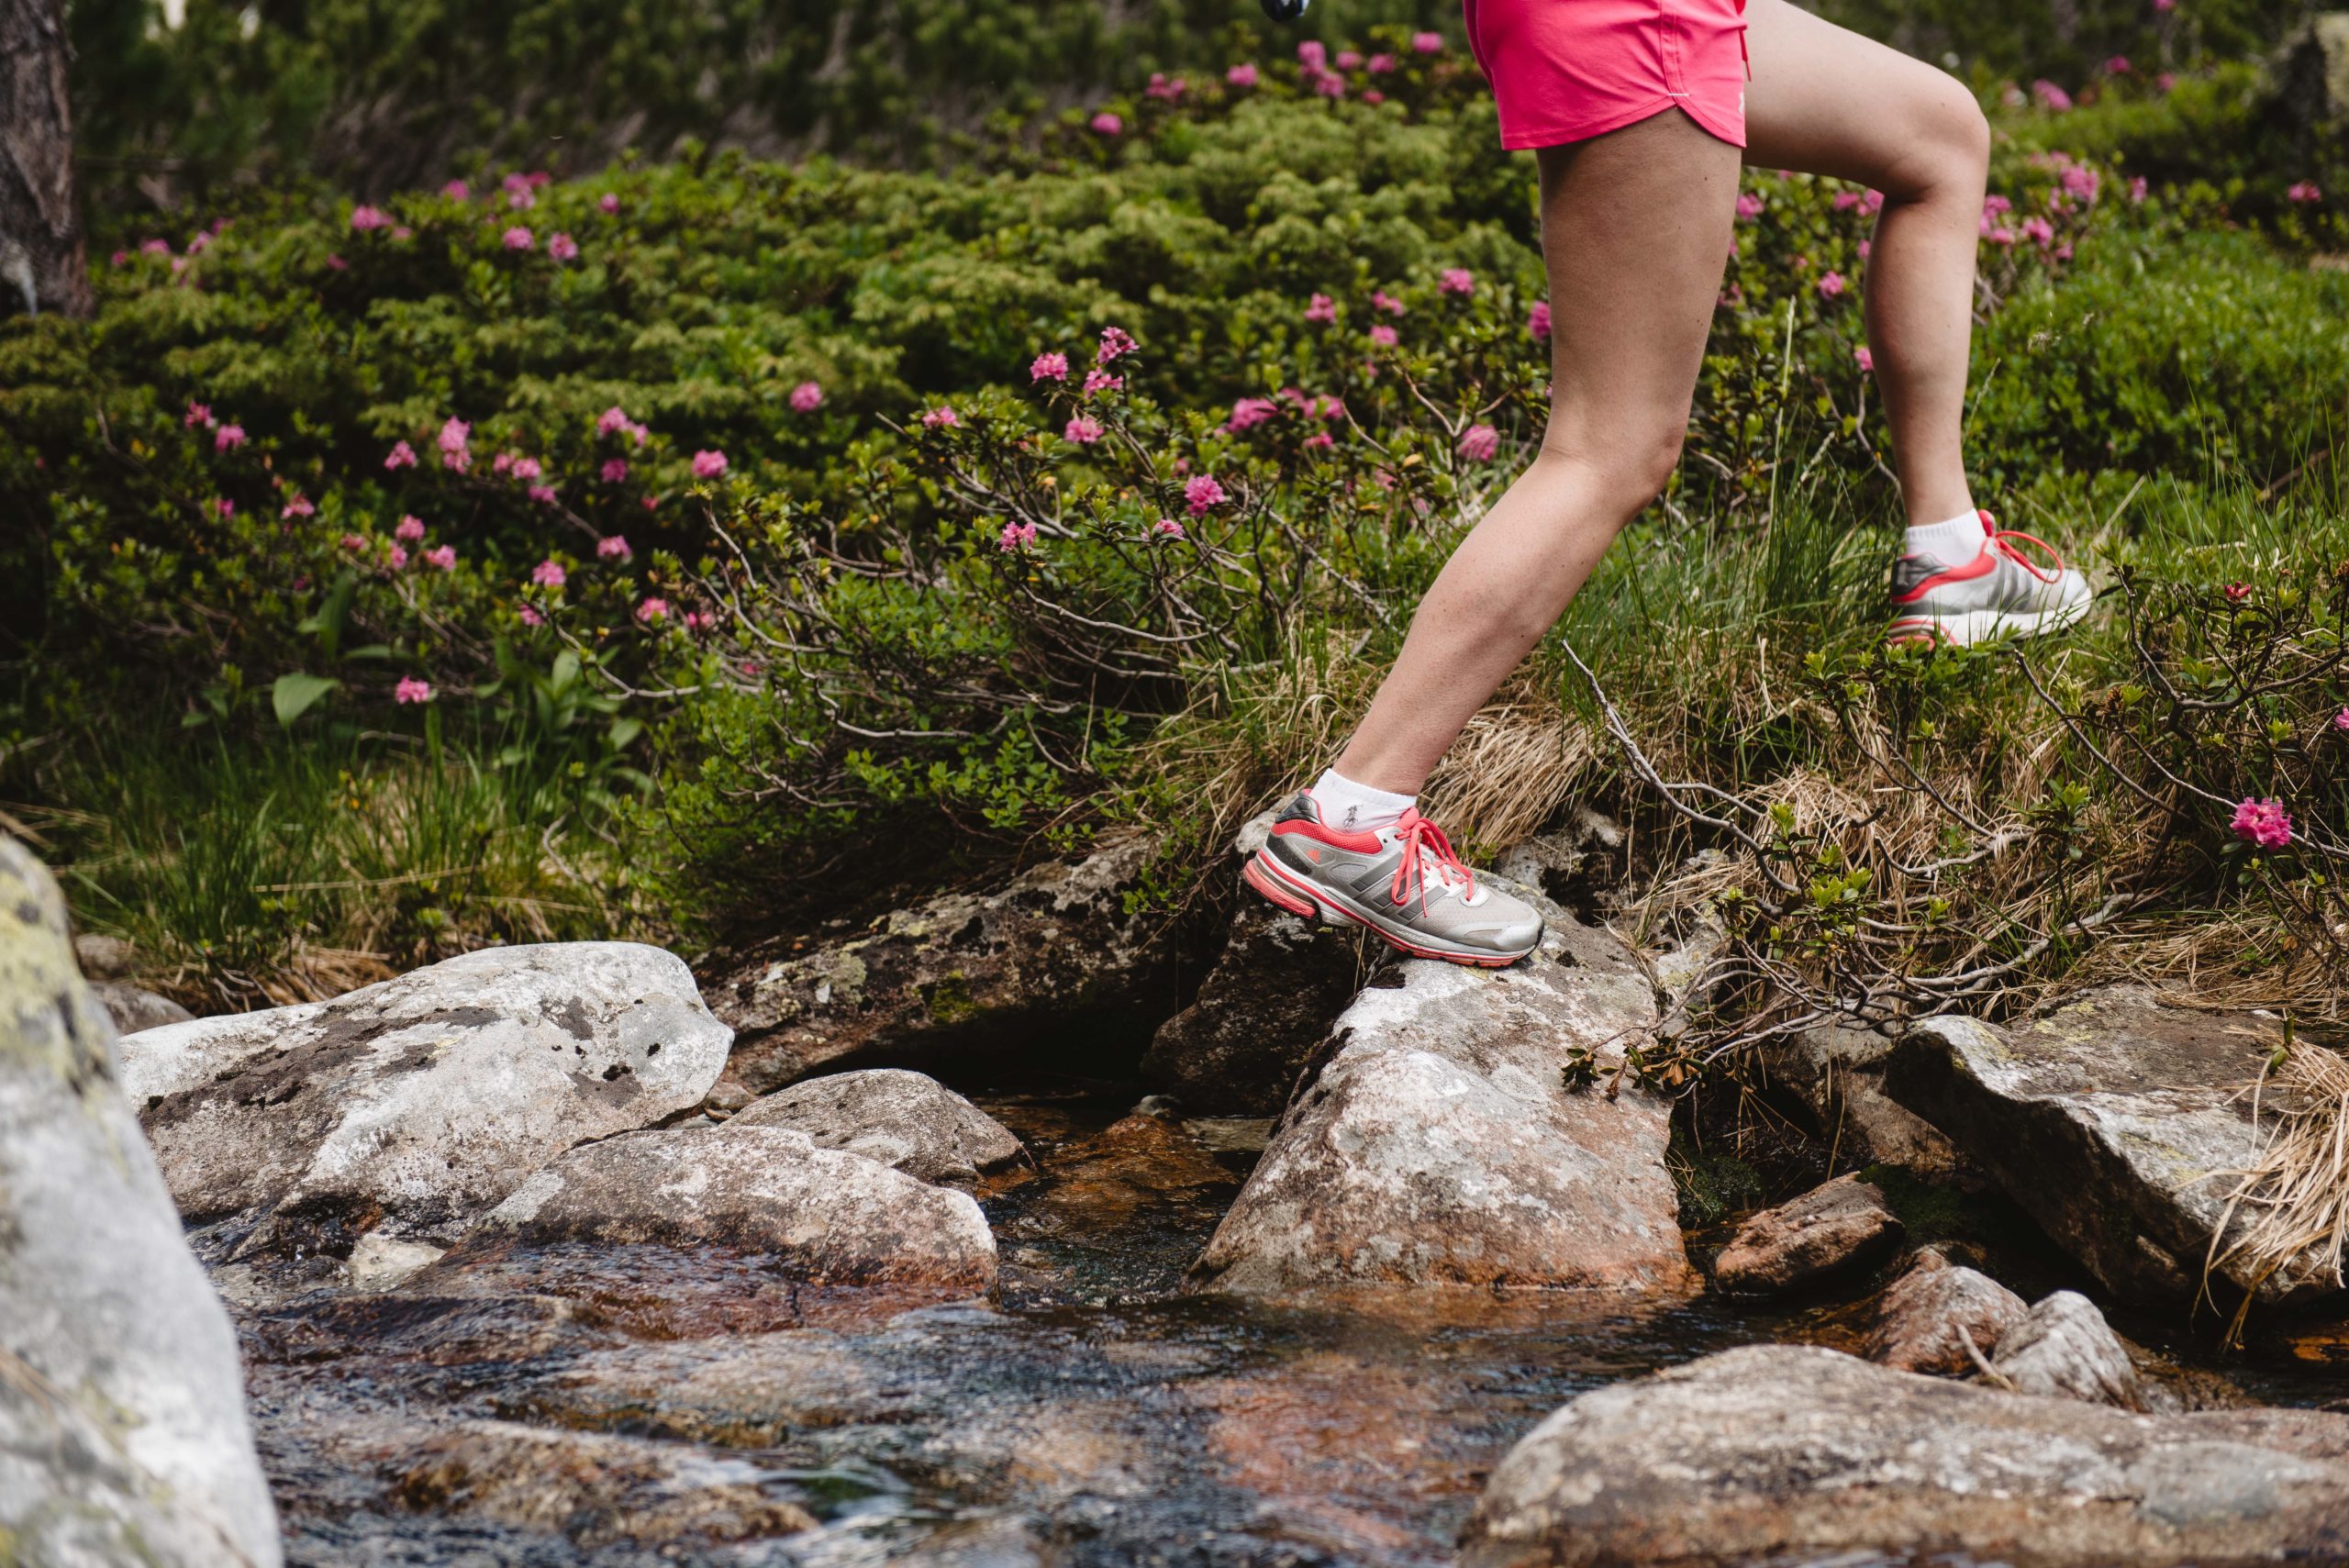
1635 232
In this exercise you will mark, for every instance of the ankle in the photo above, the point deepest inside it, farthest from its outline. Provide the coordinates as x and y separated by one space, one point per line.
1955 538
1354 807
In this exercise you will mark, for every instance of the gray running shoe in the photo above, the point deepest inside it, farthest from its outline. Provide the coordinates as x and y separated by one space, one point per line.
1403 882
1997 592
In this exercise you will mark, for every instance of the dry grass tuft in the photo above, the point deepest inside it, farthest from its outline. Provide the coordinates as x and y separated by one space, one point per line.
2294 1197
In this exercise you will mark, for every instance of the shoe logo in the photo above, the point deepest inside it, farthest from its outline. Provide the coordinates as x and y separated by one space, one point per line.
1911 572
1313 855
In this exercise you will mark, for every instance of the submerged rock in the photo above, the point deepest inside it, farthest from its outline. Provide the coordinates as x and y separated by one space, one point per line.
1830 1228
904 1120
2063 1348
1931 1313
1441 1145
2111 1122
1053 950
1261 1011
123 1436
1798 1452
417 1104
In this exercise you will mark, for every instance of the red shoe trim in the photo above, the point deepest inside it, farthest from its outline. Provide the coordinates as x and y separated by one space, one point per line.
1360 843
1981 565
1254 877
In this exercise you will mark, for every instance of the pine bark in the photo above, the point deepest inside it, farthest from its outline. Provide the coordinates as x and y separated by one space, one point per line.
41 264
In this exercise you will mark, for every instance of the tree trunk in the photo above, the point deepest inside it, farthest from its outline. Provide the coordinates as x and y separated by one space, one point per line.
41 264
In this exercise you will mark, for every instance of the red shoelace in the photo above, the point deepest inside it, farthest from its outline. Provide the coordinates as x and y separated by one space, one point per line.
2004 540
1418 835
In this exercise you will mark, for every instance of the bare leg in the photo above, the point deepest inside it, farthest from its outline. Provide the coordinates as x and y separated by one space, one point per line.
1634 227
1830 102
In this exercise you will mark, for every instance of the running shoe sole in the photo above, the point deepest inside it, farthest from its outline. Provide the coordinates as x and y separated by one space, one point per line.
1969 626
1269 877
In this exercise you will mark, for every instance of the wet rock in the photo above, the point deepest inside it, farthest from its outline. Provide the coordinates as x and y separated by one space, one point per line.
104 957
1930 1313
1830 1228
133 1009
123 1435
2063 1349
414 1105
902 1119
1052 951
1774 1453
1836 1076
434 1330
378 1261
1441 1145
1261 1011
2107 1121
594 1488
816 1215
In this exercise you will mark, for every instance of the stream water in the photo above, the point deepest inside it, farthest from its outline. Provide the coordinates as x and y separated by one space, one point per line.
1088 1414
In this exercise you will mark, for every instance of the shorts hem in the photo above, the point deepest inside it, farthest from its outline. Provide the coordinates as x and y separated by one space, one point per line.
1522 140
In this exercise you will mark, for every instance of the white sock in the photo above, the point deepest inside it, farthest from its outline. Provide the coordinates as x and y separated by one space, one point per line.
1351 807
1955 542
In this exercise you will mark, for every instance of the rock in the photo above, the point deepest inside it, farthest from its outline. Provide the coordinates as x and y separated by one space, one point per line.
2063 1349
2108 1122
1831 1226
122 1405
1836 1076
1931 1312
379 1263
416 1104
902 1119
594 1488
2309 77
102 957
133 1009
821 1216
1052 952
1440 1144
1261 1011
1551 862
1797 1453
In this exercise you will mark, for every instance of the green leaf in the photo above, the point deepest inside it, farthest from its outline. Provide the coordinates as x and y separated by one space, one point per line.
294 694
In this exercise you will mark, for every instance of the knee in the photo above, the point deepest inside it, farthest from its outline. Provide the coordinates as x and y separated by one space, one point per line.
1945 142
1630 468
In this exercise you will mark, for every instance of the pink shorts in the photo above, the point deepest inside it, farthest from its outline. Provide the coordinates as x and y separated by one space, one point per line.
1569 70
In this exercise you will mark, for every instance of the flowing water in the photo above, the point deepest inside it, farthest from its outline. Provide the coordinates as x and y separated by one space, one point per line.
1089 1413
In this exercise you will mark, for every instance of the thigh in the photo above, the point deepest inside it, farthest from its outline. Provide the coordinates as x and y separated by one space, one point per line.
1635 232
1826 101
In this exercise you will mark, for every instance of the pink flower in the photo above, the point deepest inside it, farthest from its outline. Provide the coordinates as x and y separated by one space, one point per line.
613 548
520 199
611 419
1321 309
613 470
807 398
1242 76
2304 193
409 530
2165 4
2164 81
531 617
225 507
2117 66
297 507
2265 823
608 202
1097 380
402 456
527 467
1830 286
636 432
411 690
1479 442
1311 55
1749 206
1160 87
2083 182
1048 367
1380 64
1384 336
1330 86
2341 721
699 620
1459 281
1865 247
1166 527
549 573
502 463
1202 492
1537 320
2002 237
1107 124
1865 361
154 247
355 541
2040 230
708 464
1427 43
542 493
944 415
652 610
227 438
2051 97
363 218
1319 440
1250 411
2237 592
454 453
1084 430
1115 343
457 191
517 239
1381 300
198 414
2137 189
1845 200
562 248
1014 536
395 558
443 559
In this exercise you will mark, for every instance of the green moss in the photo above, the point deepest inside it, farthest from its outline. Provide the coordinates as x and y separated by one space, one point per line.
950 998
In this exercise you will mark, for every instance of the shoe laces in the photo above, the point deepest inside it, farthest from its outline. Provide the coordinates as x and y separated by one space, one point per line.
2004 541
1425 845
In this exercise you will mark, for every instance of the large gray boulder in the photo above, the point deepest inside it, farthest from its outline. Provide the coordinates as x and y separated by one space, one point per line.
902 1119
123 1437
1799 1453
961 973
2112 1122
1442 1145
2063 1348
416 1104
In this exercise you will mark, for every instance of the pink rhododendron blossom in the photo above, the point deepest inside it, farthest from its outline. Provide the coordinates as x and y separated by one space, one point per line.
154 247
1537 320
562 248
401 455
502 463
1321 309
521 200
1166 527
454 434
2165 4
441 558
395 558
409 530
1749 206
2164 81
227 438
708 464
1374 96
1864 360
699 620
197 414
1318 440
1242 76
1380 64
1865 247
1160 87
363 218
1347 60
2304 193
807 398
1381 300
543 495
517 239
1048 367
1084 430
299 506
1250 411
1014 536
1385 337
2002 237
1330 86
2117 66
2236 592
1115 343
2051 97
1479 442
225 507
530 617
2137 189
613 548
608 202
1846 201
1427 43
1098 380
527 467
2265 823
1107 124
1459 281
2083 182
355 541
2039 230
1312 55
611 419
2341 721
1830 286
943 415
614 469
1202 492
457 191
411 690
549 573
652 610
